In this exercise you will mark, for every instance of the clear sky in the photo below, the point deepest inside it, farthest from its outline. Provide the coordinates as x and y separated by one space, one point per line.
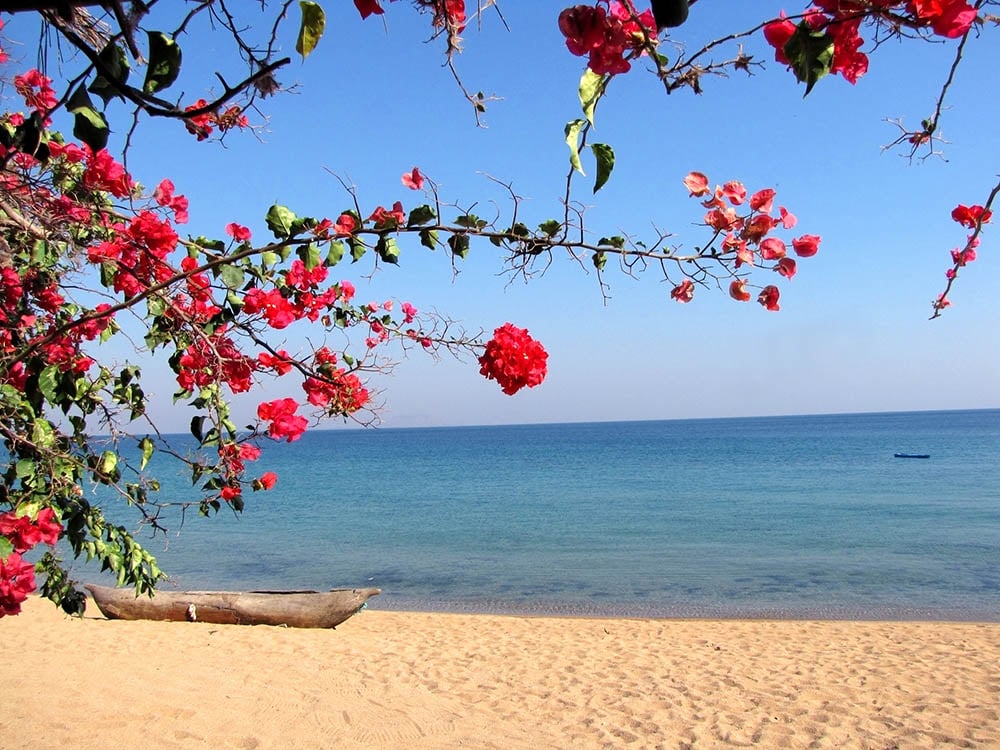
374 100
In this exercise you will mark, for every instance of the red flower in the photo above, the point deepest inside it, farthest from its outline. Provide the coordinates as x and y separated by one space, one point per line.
738 290
284 422
345 225
772 249
777 33
806 246
734 192
280 363
768 297
238 232
368 7
606 36
513 359
24 533
384 219
762 200
268 479
949 18
164 195
786 267
413 180
969 216
683 292
17 580
697 184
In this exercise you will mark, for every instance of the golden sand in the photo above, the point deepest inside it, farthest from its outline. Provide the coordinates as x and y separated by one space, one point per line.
398 680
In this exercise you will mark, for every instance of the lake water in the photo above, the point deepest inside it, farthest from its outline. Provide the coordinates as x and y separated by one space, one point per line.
806 516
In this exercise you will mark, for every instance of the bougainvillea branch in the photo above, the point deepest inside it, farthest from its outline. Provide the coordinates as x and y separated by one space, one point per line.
87 255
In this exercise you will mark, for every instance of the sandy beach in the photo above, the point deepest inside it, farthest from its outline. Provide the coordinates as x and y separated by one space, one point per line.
402 680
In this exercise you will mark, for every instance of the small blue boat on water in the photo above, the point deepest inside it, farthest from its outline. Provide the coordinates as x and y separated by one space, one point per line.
911 455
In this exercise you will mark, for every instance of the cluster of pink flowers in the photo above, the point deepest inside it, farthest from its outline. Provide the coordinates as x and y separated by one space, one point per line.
970 217
747 235
203 125
607 33
842 19
17 577
447 13
513 359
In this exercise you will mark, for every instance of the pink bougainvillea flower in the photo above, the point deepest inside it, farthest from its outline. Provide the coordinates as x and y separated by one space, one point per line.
368 7
787 220
777 33
164 195
238 232
786 267
17 581
768 297
512 358
806 246
762 200
969 216
772 249
281 362
345 225
738 290
413 180
697 184
734 192
23 532
948 18
268 479
683 292
385 219
285 423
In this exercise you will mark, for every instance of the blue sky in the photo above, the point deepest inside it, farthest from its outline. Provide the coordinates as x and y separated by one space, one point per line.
374 100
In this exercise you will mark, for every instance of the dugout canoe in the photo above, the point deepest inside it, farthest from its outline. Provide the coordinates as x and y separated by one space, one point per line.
294 609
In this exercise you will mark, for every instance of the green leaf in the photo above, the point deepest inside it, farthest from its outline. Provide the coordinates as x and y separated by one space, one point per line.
810 54
48 382
115 61
5 547
470 221
388 250
605 163
269 258
109 460
429 238
89 125
164 62
600 260
197 427
420 215
550 228
358 249
335 253
459 244
146 446
309 255
591 85
24 468
279 220
616 241
313 23
232 276
573 141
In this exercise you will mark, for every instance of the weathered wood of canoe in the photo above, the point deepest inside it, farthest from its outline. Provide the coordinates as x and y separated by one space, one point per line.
296 609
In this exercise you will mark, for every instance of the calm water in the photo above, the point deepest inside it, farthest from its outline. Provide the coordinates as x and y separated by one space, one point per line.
784 516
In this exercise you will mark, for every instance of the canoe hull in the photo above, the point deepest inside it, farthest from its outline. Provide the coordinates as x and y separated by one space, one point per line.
295 609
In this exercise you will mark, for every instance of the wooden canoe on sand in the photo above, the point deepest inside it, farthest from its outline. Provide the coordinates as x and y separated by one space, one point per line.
296 609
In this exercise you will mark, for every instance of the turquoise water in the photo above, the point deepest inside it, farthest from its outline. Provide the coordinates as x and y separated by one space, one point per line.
778 516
